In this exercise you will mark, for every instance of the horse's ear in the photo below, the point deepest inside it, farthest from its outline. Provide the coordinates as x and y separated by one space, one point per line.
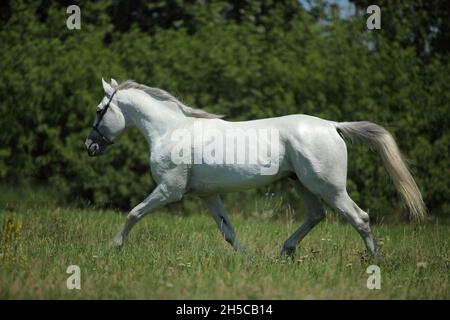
114 83
107 87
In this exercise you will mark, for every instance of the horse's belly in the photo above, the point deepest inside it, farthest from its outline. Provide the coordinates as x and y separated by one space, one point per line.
230 178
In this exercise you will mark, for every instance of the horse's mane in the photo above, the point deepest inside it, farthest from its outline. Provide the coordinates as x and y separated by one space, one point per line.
165 96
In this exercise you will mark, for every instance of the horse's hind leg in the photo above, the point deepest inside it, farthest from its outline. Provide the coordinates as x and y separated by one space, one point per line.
358 218
315 212
322 168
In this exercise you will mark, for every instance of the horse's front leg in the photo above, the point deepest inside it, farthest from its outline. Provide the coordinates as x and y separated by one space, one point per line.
160 196
220 215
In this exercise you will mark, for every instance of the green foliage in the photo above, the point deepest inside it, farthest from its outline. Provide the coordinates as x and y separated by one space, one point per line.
261 59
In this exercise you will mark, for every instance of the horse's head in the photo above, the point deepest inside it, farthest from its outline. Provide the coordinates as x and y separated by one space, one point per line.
108 124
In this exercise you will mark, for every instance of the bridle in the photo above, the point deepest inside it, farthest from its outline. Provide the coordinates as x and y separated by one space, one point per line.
100 115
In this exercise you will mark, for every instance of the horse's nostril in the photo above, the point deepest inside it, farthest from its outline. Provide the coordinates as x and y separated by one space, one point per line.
92 149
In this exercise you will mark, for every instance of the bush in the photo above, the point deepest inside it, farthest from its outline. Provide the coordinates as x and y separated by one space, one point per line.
252 67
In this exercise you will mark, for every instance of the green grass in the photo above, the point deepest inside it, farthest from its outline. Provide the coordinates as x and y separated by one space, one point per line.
175 257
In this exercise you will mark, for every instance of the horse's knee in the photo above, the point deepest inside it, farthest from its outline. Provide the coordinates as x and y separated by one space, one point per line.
133 216
362 224
364 217
317 217
362 220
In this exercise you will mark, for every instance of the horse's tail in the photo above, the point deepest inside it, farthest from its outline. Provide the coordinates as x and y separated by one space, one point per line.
381 140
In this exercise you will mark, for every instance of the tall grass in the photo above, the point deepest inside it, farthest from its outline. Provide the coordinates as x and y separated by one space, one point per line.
173 256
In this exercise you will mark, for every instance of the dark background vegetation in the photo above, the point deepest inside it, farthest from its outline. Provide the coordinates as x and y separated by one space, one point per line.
245 59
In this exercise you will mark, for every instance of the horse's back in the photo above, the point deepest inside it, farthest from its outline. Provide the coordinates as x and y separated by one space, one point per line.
282 122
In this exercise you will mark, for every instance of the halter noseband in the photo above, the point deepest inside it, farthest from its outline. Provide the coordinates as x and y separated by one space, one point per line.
101 114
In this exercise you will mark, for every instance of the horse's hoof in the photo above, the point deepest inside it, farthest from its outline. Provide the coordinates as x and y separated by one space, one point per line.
244 254
380 258
287 253
247 257
118 241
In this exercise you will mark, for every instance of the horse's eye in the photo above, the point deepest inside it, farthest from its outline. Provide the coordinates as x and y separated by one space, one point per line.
98 110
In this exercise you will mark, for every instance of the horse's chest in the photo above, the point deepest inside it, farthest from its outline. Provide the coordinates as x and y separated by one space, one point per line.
160 165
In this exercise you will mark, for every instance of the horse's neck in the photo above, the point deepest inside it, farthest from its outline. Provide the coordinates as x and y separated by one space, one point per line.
153 118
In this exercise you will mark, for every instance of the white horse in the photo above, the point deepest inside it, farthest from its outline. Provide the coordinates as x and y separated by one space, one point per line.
309 149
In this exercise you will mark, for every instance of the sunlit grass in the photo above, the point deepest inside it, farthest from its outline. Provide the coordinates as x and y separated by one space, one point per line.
169 256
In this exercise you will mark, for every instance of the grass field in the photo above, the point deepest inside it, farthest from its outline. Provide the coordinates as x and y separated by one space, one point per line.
174 257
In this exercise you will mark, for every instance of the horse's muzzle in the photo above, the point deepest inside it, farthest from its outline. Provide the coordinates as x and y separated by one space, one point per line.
91 147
